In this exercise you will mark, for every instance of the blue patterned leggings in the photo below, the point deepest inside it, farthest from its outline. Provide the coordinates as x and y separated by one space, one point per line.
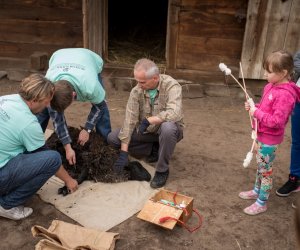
264 178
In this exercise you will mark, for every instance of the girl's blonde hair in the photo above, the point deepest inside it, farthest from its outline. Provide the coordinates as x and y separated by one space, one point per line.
279 61
36 87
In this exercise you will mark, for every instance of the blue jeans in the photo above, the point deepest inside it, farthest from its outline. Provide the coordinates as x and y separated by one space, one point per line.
295 149
103 126
25 174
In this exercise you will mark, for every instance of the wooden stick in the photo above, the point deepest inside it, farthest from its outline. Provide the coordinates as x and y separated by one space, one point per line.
240 85
241 68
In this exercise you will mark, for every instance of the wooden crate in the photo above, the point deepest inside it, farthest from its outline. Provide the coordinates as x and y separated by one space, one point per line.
162 204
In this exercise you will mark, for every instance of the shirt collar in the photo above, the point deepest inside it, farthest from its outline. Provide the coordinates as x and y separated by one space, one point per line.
158 86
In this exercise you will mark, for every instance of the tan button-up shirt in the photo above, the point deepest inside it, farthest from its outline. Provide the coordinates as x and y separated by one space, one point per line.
167 106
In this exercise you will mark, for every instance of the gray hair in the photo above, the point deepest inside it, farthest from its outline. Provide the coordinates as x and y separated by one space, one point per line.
148 66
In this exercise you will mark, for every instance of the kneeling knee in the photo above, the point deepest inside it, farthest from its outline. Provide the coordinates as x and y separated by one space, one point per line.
169 128
113 140
54 159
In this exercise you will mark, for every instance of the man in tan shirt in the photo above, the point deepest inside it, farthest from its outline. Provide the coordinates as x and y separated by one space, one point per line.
153 114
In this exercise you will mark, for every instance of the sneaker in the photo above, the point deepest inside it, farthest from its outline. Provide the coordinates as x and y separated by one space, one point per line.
248 195
16 213
255 209
153 157
290 186
159 179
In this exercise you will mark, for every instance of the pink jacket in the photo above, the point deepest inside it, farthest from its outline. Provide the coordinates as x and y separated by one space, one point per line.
273 111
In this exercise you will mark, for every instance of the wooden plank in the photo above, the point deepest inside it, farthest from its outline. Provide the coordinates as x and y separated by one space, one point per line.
41 32
85 23
270 25
8 62
292 38
225 4
95 26
66 4
105 29
39 13
197 61
205 24
197 76
24 50
163 204
212 46
213 31
153 211
172 33
277 26
255 36
39 61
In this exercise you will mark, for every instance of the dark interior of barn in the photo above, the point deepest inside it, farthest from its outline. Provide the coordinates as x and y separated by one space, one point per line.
137 29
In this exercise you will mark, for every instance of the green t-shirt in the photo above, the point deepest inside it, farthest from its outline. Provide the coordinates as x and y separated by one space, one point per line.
19 128
152 93
80 67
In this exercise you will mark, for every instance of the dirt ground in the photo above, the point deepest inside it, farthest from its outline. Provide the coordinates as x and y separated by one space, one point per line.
207 165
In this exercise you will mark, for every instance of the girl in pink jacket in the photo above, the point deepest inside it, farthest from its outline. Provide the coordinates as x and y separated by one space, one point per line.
272 114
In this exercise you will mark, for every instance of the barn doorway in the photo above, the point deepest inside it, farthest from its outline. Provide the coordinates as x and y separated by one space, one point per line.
137 30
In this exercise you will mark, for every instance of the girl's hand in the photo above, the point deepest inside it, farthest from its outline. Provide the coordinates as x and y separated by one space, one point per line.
252 111
247 106
250 106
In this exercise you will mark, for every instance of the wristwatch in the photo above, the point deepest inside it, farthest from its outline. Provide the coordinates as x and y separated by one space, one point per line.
88 130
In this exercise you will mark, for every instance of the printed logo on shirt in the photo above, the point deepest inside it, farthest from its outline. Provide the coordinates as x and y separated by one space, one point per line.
68 66
3 115
270 97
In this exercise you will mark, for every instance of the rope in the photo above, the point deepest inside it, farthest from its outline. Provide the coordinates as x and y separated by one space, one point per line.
191 230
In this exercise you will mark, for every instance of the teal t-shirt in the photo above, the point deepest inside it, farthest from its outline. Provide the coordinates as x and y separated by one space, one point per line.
80 67
19 128
152 93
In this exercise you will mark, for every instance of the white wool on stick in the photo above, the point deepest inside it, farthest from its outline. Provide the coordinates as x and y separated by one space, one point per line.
228 71
222 67
251 102
248 159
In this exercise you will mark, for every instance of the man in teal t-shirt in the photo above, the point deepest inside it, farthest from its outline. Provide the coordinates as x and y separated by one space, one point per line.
25 164
17 137
75 73
80 67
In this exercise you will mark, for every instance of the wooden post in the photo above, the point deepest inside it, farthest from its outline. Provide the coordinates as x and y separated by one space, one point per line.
85 24
92 11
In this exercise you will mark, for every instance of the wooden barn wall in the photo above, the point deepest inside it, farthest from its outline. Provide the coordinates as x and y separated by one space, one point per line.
271 25
39 25
208 32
